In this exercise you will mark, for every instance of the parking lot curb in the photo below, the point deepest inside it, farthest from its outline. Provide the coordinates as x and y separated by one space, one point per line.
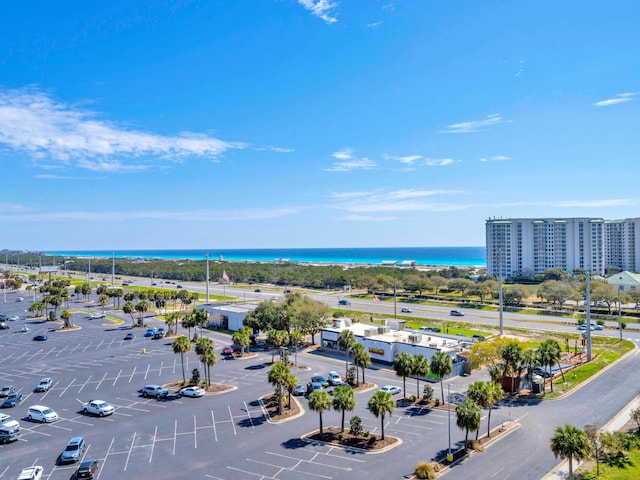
310 441
276 422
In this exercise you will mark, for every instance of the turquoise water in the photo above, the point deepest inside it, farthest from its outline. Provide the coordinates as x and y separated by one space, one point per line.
456 256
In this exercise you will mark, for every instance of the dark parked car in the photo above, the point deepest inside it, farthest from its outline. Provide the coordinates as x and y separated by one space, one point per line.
40 338
456 313
344 301
87 469
128 336
12 400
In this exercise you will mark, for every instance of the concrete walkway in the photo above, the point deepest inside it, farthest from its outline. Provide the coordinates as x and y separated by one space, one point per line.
615 424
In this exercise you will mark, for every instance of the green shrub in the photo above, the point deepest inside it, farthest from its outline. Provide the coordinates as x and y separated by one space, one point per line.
437 402
427 393
424 470
340 436
366 434
355 425
195 376
477 446
372 440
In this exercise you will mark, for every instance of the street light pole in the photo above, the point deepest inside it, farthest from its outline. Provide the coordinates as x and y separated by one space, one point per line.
619 312
500 298
588 301
449 455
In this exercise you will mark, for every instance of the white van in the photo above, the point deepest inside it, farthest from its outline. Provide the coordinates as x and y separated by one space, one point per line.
40 413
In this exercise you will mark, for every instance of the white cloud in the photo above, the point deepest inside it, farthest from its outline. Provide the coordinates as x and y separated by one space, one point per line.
57 177
619 98
440 162
354 164
35 122
384 200
374 24
474 126
614 202
321 9
271 148
496 158
345 154
110 166
407 160
520 69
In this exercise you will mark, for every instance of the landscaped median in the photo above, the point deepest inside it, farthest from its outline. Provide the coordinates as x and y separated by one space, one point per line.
364 443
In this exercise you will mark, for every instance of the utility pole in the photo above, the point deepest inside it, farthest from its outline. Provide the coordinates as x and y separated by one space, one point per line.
206 256
500 298
588 302
619 311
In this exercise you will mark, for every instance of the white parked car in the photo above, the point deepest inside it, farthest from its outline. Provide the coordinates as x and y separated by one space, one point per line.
193 391
97 407
25 328
40 413
31 473
8 421
44 385
392 389
97 315
335 378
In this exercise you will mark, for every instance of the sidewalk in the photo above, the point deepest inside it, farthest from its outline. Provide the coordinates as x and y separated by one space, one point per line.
561 471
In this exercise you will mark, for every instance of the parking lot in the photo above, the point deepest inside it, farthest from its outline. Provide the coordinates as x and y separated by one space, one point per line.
224 436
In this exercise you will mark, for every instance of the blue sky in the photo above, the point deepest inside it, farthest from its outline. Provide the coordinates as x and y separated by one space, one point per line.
312 123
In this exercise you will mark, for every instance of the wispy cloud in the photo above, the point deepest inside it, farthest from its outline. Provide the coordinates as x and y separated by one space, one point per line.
474 126
57 177
349 162
520 69
385 200
496 158
321 9
374 24
270 148
407 159
619 98
35 122
440 162
613 202
117 216
110 166
367 218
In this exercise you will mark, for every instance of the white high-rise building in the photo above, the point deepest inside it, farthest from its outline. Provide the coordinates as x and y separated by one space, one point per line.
532 245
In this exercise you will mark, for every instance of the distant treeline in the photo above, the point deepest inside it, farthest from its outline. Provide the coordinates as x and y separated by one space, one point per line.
283 274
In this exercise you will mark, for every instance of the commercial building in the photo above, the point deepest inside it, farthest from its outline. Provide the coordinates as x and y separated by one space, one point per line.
532 245
383 342
226 316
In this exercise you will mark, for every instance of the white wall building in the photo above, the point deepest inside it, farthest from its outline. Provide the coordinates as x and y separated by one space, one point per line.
229 317
383 343
532 245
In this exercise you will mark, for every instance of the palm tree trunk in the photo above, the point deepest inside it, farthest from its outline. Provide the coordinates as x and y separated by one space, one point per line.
417 387
489 423
561 371
466 438
184 379
382 424
321 424
363 380
342 424
442 390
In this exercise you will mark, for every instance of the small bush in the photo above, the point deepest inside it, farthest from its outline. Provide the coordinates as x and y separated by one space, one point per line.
427 393
412 398
366 434
355 425
437 402
424 470
340 436
195 376
372 440
476 446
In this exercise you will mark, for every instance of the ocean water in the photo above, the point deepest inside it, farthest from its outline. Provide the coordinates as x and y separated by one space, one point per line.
449 256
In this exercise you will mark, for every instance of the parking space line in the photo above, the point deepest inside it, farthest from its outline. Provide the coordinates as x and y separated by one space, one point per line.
104 461
160 371
63 349
147 372
284 468
49 391
67 387
101 342
117 377
300 460
153 443
246 408
232 422
215 432
132 373
85 384
195 433
130 449
3 472
248 473
175 434
100 382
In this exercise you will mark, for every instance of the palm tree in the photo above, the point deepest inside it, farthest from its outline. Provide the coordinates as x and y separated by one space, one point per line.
203 346
362 359
441 366
346 339
181 345
468 417
486 395
511 354
403 365
420 369
343 400
550 354
530 358
380 404
277 377
209 358
319 401
188 322
141 307
241 339
570 442
290 383
128 308
66 317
